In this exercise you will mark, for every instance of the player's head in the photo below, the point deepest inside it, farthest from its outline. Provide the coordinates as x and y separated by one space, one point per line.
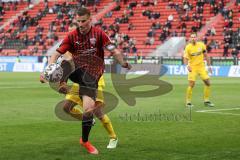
83 19
72 26
193 38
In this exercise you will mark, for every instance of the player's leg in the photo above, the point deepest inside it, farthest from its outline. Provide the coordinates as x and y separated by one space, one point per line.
107 124
87 91
87 123
207 90
70 108
191 83
73 96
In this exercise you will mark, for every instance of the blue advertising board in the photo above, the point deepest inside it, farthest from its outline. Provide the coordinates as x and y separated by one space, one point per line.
25 59
222 71
21 67
217 71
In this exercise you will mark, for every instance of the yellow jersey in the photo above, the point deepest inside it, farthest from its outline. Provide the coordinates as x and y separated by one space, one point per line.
195 53
101 82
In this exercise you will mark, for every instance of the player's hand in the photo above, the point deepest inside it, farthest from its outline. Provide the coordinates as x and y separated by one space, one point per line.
42 79
210 69
189 69
127 65
63 88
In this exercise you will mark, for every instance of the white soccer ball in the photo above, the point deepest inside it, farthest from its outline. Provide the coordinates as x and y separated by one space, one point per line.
53 72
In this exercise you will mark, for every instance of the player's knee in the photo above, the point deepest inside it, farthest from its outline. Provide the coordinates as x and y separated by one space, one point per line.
88 104
99 116
89 108
67 107
98 113
88 113
191 84
207 82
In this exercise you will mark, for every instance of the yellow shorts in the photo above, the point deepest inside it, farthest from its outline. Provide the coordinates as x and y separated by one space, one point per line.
198 70
74 97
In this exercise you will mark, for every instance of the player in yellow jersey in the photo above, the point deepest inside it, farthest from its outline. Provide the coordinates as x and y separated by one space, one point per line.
72 99
194 54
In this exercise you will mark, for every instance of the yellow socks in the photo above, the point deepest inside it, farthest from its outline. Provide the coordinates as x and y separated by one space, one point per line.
189 95
106 122
206 93
76 113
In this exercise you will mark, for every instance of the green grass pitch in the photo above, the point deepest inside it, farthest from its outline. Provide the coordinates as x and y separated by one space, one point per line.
30 130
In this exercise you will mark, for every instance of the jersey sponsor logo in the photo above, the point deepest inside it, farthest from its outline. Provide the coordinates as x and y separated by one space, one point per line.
196 53
93 41
81 44
87 51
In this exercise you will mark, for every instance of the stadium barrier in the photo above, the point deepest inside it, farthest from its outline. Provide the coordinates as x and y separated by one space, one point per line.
152 69
217 61
222 66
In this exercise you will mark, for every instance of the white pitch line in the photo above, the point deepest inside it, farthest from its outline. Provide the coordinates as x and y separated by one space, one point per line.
214 110
223 113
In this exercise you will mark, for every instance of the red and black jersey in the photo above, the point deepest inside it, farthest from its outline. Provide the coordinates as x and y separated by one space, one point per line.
87 50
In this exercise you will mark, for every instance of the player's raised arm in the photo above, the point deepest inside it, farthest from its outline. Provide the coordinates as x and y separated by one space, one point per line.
119 57
112 48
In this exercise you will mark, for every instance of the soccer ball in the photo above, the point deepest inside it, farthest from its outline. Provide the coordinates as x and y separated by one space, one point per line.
53 72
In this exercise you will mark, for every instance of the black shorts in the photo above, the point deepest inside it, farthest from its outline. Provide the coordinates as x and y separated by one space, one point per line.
88 84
